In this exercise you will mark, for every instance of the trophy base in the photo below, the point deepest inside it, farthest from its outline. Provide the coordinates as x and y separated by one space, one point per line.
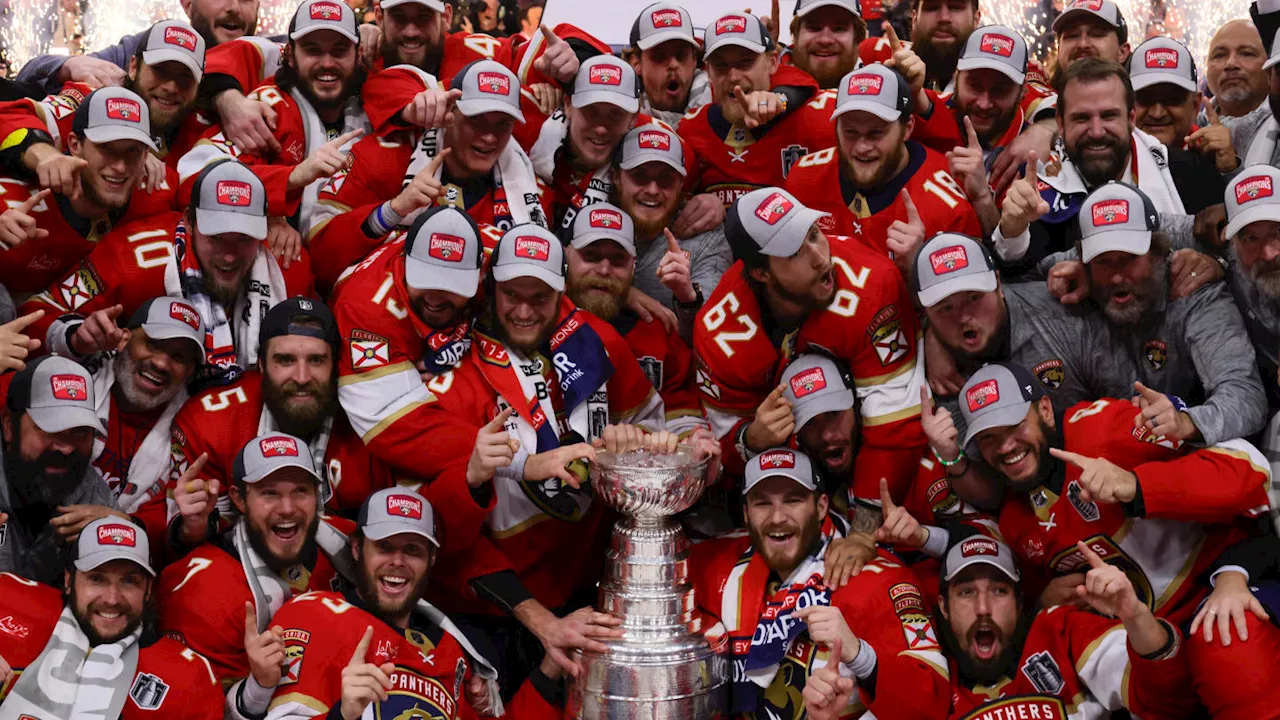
684 679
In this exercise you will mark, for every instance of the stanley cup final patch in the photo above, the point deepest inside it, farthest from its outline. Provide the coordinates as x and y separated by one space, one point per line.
148 691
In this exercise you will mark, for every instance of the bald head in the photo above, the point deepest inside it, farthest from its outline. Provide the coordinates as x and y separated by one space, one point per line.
1234 68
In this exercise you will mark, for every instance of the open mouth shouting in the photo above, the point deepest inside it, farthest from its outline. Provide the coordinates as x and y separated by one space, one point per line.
394 585
985 642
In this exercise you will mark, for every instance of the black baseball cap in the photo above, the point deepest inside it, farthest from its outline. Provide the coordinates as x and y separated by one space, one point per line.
282 319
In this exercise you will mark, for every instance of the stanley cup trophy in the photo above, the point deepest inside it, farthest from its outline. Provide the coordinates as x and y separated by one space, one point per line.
662 668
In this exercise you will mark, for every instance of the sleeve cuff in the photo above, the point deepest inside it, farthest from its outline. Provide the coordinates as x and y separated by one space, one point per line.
551 690
58 338
252 699
936 545
514 471
503 589
1011 249
1213 579
863 666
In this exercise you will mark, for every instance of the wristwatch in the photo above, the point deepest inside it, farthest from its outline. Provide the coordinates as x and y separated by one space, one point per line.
696 302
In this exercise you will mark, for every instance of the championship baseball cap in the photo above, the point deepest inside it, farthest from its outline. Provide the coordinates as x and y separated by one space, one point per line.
651 143
804 7
661 22
442 252
1105 10
603 221
1252 196
393 511
267 454
114 113
876 89
437 5
164 318
334 15
975 549
1116 216
815 385
950 263
783 462
174 41
996 47
1163 60
606 79
230 198
530 250
768 221
57 393
488 86
295 316
1274 58
741 29
112 538
998 395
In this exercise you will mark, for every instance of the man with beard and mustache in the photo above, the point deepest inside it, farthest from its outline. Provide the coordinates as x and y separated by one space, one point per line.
939 31
825 36
791 289
664 53
99 639
768 592
378 650
1089 28
1237 82
48 489
876 186
315 95
212 255
1253 228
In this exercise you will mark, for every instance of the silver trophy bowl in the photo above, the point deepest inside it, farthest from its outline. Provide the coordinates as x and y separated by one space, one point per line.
662 668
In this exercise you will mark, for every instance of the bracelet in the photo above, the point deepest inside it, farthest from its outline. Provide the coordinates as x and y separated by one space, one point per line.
947 463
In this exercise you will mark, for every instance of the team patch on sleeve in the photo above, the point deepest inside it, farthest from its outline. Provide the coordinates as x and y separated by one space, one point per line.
906 601
295 642
918 630
368 351
80 287
890 342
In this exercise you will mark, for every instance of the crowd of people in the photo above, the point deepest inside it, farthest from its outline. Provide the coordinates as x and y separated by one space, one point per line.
312 345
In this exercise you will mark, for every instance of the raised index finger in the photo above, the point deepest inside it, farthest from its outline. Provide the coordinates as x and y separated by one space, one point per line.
1211 114
973 134
362 647
1095 560
886 500
894 43
672 244
1148 393
343 138
437 160
21 323
551 37
1068 456
501 419
31 202
1029 171
250 619
913 217
194 469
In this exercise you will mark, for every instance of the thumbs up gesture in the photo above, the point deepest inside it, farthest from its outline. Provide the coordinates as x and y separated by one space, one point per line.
99 333
904 239
363 682
558 60
675 272
265 649
1107 589
1214 139
495 448
1022 204
18 226
1100 480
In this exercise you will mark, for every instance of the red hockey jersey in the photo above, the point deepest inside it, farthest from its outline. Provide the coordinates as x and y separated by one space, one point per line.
940 201
940 131
1189 500
171 681
322 631
882 605
870 326
1077 665
125 433
667 361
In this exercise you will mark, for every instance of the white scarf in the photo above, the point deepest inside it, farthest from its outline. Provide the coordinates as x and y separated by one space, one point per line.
150 463
353 118
318 444
71 680
514 173
1154 177
553 135
1263 147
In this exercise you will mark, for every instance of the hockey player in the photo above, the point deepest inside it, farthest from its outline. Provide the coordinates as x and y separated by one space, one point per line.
885 191
98 640
825 37
793 289
664 53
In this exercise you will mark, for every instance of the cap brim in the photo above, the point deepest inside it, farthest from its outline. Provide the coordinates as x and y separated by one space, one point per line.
743 42
589 237
997 418
981 560
1252 215
156 331
220 222
425 276
986 63
102 557
782 244
884 112
973 282
59 419
436 5
155 57
521 269
111 133
645 156
1146 80
474 107
581 100
660 37
826 3
299 34
280 466
1271 61
806 410
806 483
1134 242
384 530
1076 12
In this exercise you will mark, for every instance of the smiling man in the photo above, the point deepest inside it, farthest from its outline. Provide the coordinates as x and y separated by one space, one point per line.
939 31
1089 28
825 35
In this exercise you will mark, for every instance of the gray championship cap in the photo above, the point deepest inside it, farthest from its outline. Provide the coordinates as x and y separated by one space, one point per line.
661 22
112 538
1119 217
876 89
393 511
1251 197
57 393
603 221
175 41
606 79
815 385
804 7
267 454
996 47
1104 10
1275 52
783 462
742 29
950 263
651 143
488 86
530 250
165 318
437 5
1163 60
114 113
997 395
979 550
442 252
335 15
229 198
771 220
